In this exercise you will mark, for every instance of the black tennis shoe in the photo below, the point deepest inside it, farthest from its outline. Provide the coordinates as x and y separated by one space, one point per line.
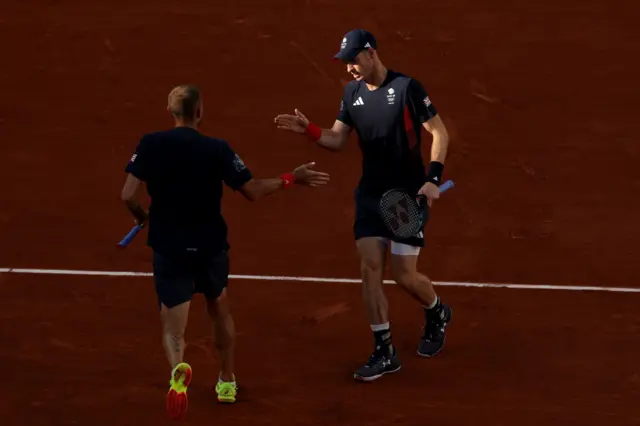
433 337
380 363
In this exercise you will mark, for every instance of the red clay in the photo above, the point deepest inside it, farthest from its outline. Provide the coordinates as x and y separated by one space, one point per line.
540 99
94 356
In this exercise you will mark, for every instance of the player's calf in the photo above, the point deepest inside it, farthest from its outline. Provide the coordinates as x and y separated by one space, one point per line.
437 314
224 334
174 324
383 360
404 272
372 262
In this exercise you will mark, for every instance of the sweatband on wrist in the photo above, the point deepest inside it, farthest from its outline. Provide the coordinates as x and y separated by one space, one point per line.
434 173
287 179
314 132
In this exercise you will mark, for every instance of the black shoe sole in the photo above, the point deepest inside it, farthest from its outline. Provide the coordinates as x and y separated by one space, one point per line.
424 355
376 377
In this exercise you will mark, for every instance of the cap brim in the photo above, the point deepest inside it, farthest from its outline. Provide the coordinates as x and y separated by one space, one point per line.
346 55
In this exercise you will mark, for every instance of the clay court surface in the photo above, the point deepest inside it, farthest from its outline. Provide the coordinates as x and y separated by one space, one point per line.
541 102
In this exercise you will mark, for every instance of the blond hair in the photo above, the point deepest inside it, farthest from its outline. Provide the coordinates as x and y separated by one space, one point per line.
183 101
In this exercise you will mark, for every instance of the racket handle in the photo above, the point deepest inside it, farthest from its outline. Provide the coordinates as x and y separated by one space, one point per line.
127 239
446 186
443 188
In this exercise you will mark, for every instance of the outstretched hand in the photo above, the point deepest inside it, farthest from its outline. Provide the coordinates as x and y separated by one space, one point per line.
296 123
305 175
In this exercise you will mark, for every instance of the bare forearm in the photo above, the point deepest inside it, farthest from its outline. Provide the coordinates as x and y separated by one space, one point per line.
331 140
259 188
129 195
255 189
439 147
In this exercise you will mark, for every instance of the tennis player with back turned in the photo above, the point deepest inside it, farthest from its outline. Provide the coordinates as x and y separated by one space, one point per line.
387 110
184 171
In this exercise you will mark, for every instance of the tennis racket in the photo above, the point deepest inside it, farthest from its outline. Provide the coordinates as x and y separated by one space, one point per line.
130 236
405 214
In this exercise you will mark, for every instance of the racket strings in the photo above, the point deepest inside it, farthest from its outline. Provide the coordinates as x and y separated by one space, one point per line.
402 214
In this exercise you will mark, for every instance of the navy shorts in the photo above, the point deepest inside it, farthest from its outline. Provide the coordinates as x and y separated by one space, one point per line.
179 276
368 221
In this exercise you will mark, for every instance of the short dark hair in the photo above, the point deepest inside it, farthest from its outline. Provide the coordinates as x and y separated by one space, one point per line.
183 101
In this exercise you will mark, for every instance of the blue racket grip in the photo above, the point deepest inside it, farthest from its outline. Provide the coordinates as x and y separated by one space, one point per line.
446 186
127 239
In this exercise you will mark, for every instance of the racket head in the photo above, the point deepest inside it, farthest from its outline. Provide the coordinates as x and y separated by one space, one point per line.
403 214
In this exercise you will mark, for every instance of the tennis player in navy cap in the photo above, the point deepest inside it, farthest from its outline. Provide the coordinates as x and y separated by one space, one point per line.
388 110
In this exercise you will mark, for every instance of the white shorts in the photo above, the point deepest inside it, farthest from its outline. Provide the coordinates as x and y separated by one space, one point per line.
400 249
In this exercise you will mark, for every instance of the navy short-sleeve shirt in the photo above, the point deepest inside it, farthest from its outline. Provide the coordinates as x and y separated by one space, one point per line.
388 122
184 172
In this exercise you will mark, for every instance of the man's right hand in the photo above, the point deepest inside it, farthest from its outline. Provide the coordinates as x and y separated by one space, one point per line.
305 175
296 123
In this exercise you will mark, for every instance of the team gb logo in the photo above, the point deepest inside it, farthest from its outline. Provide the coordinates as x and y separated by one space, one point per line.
391 96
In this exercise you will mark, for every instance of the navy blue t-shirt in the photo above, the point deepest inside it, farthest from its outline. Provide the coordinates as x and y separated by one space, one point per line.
388 122
184 171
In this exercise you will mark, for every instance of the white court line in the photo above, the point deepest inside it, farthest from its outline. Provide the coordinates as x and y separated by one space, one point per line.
323 280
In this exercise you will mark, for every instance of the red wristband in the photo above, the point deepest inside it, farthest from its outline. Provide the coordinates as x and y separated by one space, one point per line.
314 132
287 179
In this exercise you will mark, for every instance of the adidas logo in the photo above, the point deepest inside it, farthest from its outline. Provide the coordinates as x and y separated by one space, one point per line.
358 101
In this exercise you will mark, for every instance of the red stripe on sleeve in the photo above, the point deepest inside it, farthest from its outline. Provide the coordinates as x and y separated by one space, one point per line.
409 126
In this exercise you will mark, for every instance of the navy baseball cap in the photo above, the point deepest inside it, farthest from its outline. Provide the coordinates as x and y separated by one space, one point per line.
354 42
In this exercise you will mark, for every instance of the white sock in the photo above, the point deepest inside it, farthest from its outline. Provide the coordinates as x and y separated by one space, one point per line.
435 302
380 327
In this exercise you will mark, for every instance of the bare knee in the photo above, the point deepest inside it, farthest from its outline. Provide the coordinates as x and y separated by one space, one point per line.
406 279
404 272
371 267
220 307
224 329
372 256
